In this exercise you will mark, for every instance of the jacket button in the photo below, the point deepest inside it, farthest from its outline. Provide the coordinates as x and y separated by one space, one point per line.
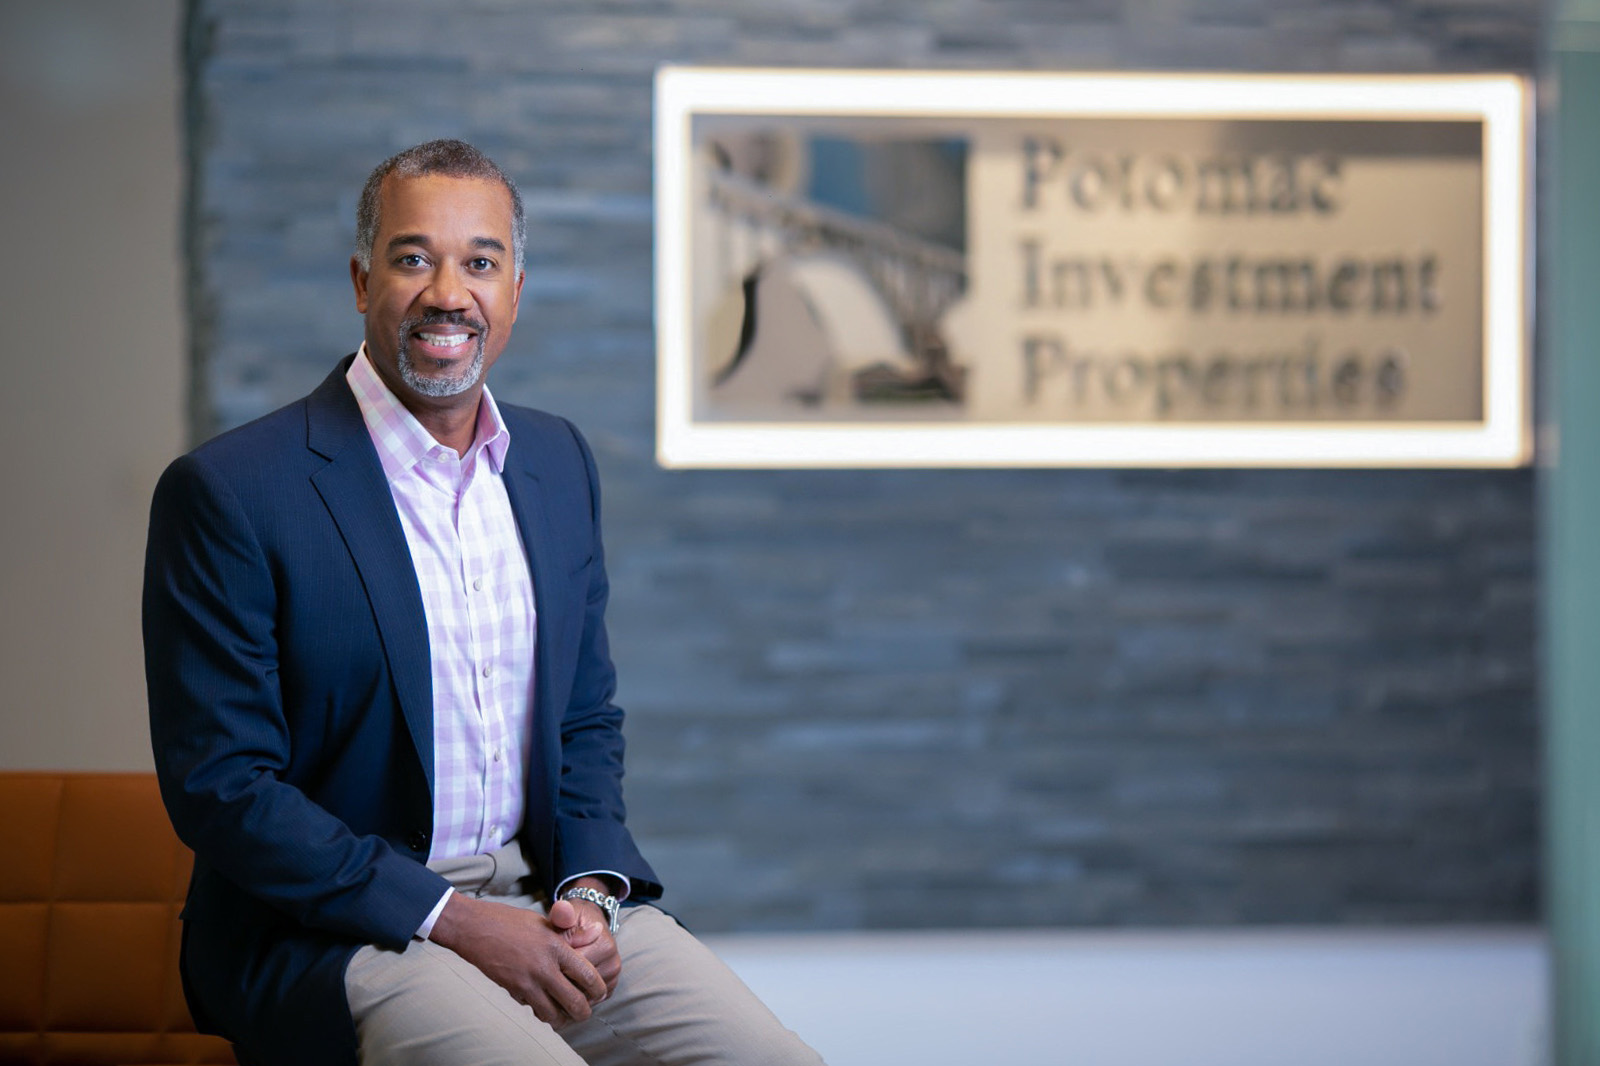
418 840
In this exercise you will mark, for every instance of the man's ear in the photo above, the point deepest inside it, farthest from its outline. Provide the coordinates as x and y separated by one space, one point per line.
358 278
516 297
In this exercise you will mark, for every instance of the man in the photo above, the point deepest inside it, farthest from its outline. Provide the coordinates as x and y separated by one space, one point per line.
380 698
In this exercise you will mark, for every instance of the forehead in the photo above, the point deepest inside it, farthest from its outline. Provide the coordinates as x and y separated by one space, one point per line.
440 207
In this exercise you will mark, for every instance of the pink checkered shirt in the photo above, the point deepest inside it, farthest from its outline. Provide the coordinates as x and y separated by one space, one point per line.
477 595
478 598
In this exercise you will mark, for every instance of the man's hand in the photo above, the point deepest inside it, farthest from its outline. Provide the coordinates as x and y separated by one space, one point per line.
586 928
527 954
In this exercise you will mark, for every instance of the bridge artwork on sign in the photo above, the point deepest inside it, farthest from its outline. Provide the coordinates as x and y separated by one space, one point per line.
832 262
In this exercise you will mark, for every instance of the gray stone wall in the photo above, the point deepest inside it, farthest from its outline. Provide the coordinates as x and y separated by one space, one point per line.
873 699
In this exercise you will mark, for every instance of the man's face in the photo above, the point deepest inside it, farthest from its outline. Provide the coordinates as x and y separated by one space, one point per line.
442 290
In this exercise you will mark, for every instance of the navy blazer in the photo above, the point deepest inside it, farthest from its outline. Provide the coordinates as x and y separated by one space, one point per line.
291 708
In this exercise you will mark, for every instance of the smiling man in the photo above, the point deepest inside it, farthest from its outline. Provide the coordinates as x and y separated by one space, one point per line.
381 698
438 295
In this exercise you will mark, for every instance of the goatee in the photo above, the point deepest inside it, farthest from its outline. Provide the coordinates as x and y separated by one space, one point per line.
426 384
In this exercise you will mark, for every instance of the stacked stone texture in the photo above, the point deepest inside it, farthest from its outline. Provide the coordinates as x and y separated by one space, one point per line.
880 699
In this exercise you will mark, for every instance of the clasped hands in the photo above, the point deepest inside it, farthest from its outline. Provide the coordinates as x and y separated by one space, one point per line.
559 965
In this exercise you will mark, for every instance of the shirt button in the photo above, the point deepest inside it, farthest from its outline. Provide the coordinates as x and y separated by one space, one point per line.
497 755
487 669
477 584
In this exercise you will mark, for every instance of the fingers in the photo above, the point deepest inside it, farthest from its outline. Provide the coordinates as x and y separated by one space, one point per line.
546 1010
584 977
601 951
562 1009
594 942
563 915
527 954
560 990
602 954
610 970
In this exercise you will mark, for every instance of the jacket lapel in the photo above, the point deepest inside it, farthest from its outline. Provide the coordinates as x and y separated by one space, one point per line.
354 489
533 520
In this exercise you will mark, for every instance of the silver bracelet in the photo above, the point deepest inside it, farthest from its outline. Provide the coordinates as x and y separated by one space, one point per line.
606 903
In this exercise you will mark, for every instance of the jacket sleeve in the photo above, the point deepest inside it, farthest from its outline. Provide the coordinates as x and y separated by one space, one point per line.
590 814
220 734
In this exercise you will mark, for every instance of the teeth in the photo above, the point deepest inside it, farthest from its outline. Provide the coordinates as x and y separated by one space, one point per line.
444 340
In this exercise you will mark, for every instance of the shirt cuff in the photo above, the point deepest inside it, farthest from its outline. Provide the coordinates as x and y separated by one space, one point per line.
627 886
433 916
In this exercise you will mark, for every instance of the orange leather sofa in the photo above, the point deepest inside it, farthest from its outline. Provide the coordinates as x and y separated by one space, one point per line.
91 882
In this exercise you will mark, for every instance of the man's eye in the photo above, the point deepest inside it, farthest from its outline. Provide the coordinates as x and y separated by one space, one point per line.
481 262
411 259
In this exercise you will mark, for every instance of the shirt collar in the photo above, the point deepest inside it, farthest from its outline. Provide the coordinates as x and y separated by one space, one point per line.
400 439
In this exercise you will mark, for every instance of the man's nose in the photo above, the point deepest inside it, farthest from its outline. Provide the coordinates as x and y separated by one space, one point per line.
447 289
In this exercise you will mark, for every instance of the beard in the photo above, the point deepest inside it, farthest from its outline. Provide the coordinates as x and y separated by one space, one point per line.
414 370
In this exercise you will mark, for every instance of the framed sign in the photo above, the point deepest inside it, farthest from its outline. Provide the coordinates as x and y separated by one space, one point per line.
969 269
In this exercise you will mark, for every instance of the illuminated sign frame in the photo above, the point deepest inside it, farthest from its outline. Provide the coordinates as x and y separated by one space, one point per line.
1501 438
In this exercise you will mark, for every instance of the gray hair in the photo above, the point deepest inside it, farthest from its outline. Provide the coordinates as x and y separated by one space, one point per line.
448 158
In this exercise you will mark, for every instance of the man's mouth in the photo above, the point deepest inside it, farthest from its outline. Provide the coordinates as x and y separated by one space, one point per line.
443 340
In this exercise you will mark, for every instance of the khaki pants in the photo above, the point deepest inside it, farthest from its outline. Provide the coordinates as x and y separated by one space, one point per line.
675 1004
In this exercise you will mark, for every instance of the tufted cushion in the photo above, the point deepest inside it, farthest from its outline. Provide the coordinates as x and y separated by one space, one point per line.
91 881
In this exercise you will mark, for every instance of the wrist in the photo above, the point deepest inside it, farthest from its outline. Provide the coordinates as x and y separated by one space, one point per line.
452 925
593 892
600 883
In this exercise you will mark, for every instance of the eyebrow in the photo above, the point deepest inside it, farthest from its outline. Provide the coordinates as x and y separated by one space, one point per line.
400 240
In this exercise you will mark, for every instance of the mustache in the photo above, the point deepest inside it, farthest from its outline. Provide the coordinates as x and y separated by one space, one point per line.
443 318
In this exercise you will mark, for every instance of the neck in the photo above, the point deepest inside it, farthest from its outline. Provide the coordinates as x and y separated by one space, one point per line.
453 422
